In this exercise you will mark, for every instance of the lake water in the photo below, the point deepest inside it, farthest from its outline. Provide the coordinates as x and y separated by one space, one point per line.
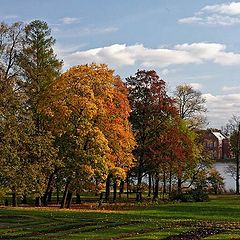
228 179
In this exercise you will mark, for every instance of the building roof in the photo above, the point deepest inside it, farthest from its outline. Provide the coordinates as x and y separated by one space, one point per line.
219 135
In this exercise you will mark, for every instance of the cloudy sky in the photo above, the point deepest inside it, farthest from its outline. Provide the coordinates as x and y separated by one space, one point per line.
193 42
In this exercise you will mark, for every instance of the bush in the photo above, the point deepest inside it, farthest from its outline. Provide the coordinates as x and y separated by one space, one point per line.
200 195
193 195
183 197
216 182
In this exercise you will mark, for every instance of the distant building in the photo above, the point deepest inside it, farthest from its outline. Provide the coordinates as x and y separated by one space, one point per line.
217 145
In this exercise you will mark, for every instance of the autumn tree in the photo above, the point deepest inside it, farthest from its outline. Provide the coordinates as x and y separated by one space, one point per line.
115 126
88 110
191 105
151 108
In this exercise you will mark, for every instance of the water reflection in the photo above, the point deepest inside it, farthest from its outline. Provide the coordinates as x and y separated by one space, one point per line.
228 179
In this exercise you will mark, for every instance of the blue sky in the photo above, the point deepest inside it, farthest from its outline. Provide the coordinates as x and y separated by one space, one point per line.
193 42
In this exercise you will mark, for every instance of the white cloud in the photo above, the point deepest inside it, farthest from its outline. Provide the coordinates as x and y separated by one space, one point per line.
119 55
212 20
115 55
196 86
227 89
69 20
231 8
221 108
226 14
190 20
227 58
221 20
202 50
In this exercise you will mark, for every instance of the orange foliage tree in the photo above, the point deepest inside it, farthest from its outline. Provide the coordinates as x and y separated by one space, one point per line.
88 112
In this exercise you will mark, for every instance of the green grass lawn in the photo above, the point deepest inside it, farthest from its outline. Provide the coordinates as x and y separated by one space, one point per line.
220 216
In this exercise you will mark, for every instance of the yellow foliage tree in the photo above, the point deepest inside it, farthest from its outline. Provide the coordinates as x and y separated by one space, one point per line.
88 111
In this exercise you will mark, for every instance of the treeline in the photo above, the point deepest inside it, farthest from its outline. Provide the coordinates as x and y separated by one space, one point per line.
86 129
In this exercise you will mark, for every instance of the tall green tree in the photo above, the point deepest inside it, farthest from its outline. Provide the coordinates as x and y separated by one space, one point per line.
11 133
20 173
27 67
39 67
38 62
14 121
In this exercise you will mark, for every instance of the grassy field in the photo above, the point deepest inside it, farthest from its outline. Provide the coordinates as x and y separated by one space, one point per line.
217 219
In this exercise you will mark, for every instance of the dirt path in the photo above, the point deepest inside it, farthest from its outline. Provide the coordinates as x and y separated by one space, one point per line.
196 234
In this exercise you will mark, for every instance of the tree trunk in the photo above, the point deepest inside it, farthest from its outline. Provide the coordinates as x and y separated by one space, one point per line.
237 161
139 184
115 191
100 199
170 182
149 184
64 199
153 185
156 192
78 199
24 200
58 193
45 196
127 186
38 202
164 183
121 189
14 199
58 197
49 198
179 185
96 187
69 199
107 192
237 178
